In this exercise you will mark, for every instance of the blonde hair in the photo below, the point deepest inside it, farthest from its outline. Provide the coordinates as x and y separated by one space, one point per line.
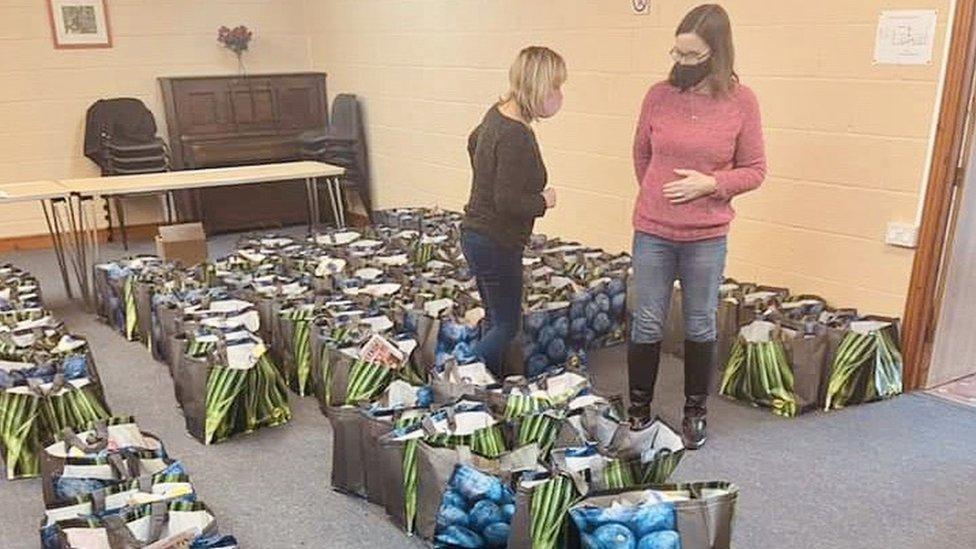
536 72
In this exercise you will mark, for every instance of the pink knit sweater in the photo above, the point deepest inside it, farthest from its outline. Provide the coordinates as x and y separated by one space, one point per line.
721 137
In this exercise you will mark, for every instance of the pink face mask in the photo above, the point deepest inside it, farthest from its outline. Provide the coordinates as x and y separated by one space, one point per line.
552 104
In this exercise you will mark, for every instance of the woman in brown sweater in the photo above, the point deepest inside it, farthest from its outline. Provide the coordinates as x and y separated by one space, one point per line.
508 193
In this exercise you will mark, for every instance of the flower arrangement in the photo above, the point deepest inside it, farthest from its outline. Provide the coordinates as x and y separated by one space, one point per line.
235 39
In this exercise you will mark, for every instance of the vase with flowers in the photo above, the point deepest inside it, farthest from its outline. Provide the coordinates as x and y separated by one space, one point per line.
236 40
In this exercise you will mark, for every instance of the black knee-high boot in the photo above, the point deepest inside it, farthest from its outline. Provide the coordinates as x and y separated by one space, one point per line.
700 358
643 360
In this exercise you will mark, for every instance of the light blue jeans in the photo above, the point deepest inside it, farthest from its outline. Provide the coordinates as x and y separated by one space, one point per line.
657 264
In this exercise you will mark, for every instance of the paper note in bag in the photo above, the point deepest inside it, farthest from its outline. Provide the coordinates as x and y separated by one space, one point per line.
380 350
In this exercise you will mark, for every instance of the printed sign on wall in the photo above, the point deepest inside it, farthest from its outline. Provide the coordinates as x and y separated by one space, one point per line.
905 37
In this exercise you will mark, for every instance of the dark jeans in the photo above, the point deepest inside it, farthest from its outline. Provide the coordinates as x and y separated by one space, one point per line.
498 273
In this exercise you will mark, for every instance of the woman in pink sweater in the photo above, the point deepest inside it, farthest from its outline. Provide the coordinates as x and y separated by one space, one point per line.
699 143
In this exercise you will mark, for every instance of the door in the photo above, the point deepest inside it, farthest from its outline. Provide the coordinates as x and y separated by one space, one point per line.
954 350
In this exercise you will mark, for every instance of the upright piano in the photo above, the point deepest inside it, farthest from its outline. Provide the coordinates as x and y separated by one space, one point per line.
217 121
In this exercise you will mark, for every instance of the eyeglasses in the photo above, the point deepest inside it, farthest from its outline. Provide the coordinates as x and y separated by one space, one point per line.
689 58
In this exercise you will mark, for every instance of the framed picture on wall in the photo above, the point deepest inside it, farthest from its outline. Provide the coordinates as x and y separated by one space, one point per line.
79 23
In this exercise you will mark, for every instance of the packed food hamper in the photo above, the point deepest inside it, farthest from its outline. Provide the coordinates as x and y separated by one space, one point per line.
105 482
380 326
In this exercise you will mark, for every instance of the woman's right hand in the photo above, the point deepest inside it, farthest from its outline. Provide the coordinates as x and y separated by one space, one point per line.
549 195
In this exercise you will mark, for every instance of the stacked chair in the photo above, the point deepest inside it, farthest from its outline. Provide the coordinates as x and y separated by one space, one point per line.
104 481
120 136
378 326
343 144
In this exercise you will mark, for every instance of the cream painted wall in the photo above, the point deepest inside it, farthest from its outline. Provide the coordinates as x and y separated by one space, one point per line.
44 92
846 139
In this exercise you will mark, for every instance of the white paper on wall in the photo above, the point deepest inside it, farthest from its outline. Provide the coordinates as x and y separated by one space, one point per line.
905 37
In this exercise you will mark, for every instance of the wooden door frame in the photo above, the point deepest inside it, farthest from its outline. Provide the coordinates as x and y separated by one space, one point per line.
922 302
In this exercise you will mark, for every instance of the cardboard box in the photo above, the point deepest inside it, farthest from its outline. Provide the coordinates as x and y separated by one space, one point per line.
185 243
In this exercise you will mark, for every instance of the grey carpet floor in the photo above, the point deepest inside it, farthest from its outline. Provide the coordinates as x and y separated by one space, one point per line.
891 475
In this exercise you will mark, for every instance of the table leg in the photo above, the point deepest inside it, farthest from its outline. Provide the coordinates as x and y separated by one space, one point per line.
169 207
76 253
54 229
85 247
94 236
340 203
317 201
309 201
329 182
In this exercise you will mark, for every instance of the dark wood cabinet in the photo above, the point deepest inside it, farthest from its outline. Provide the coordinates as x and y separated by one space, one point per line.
216 121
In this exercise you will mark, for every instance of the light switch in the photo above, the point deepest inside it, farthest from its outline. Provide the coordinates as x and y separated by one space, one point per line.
903 235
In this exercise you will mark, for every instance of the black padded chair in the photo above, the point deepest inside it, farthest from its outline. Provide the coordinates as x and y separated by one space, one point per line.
120 136
343 144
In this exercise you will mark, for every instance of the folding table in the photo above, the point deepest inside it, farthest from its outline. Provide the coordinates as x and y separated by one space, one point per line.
89 189
50 194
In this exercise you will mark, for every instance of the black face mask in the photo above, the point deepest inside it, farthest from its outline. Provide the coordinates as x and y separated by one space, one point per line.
685 77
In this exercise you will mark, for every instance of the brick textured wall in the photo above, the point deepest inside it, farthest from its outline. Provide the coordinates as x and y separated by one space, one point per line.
846 139
44 92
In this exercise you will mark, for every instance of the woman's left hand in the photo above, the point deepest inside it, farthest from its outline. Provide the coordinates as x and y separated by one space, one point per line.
694 186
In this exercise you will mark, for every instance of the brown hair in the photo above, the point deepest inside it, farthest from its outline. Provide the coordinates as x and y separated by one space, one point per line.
711 23
535 73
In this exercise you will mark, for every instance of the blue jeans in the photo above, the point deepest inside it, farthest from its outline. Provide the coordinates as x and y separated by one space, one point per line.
498 273
657 264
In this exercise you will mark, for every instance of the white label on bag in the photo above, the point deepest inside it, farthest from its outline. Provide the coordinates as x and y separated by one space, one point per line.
759 331
559 282
31 324
328 265
368 273
339 239
476 373
89 538
866 327
365 243
253 257
378 323
564 385
243 356
585 401
393 260
406 346
381 290
399 394
436 307
427 239
229 305
9 366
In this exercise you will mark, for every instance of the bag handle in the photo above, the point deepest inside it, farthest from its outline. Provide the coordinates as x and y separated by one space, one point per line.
122 538
92 445
125 463
59 383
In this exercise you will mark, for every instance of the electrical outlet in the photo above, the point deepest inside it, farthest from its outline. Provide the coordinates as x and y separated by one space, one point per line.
903 235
